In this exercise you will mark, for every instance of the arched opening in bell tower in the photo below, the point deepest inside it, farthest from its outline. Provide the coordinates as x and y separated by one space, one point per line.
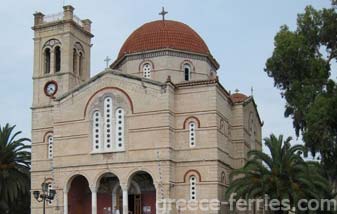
47 61
57 59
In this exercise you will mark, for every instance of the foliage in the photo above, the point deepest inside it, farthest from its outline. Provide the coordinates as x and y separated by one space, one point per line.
282 175
301 68
15 164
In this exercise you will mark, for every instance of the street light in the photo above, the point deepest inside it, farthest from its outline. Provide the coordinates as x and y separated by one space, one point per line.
44 195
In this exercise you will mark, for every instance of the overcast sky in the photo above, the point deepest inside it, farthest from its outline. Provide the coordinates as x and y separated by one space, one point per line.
239 34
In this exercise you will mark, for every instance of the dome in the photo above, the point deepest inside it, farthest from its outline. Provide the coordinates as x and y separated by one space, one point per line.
160 34
238 97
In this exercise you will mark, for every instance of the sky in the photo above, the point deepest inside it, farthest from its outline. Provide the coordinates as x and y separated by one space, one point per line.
239 35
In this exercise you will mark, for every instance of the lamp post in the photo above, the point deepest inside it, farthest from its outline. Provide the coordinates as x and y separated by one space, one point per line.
44 195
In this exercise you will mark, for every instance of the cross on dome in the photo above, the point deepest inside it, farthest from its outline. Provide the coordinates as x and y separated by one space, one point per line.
163 13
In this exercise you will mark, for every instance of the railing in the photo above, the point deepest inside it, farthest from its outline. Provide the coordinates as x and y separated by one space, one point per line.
78 20
53 17
59 16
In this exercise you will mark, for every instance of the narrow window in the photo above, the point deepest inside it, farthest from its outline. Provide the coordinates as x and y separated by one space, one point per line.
96 130
187 72
80 59
50 147
120 128
108 123
192 136
75 61
50 187
57 59
193 186
47 61
147 70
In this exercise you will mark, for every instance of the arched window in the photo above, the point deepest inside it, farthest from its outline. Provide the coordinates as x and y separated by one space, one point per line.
80 59
223 178
57 59
50 187
50 140
192 134
187 72
108 123
147 68
96 130
120 128
74 61
193 188
47 61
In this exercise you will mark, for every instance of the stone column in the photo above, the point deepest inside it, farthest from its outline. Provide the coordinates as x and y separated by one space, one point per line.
93 200
65 201
125 199
113 198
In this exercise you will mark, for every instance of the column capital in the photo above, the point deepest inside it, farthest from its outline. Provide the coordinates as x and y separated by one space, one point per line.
124 186
93 188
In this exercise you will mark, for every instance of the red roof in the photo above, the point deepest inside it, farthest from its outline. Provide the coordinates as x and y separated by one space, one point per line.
164 34
238 97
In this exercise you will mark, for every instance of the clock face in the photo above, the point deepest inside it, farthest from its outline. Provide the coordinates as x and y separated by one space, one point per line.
51 88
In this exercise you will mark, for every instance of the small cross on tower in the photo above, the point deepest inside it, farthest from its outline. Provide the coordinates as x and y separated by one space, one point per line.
163 13
107 60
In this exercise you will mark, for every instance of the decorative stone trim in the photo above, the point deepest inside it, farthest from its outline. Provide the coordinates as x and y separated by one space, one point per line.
108 88
165 52
192 172
51 43
191 118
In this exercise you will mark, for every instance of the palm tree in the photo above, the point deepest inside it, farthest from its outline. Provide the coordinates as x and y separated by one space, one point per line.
15 164
283 174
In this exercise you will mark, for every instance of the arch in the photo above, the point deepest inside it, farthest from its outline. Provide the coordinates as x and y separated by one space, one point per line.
108 88
191 118
101 174
46 135
186 61
79 195
51 43
140 67
79 47
190 173
70 178
138 170
143 191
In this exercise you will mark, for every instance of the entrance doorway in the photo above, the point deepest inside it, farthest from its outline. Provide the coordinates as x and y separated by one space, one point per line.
79 196
142 194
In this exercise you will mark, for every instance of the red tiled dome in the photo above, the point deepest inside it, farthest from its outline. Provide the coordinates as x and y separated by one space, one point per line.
238 97
164 34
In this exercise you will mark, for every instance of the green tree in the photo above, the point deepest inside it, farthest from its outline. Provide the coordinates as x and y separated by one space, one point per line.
301 66
281 175
15 164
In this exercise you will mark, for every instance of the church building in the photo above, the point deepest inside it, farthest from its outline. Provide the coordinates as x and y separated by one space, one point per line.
155 128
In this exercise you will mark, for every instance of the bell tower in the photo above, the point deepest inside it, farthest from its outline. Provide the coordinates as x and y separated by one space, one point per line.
62 45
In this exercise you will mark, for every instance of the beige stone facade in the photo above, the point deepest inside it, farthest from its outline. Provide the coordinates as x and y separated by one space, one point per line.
156 132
